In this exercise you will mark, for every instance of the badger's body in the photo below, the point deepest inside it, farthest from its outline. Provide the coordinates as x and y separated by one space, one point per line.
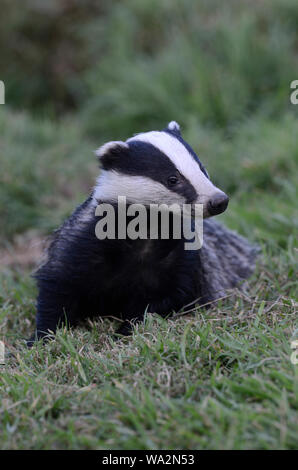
83 276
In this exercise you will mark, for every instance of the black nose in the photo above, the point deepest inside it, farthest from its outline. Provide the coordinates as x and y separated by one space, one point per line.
218 204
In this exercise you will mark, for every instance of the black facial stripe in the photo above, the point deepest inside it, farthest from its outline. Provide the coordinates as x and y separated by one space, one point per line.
144 159
177 136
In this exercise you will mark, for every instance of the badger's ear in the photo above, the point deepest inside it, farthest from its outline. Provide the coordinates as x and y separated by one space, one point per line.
173 126
111 147
111 152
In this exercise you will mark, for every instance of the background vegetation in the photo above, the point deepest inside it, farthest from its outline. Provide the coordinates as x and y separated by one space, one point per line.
78 73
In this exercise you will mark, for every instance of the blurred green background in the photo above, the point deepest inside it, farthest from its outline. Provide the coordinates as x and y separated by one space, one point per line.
80 72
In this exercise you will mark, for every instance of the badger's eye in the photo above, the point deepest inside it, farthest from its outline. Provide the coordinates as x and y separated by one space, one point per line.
172 180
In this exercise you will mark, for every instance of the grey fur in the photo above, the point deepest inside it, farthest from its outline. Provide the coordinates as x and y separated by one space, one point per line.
227 258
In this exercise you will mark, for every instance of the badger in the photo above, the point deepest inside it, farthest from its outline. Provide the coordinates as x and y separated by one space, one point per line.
84 276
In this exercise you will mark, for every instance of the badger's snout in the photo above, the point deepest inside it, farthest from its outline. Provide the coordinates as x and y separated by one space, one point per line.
217 204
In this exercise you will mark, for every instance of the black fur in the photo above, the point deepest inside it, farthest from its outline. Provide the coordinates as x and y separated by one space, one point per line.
143 159
87 277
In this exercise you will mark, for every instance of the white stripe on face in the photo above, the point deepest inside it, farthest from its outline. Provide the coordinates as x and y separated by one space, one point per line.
183 161
137 189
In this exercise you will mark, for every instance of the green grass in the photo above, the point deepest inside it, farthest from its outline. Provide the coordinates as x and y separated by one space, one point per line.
217 378
211 379
220 378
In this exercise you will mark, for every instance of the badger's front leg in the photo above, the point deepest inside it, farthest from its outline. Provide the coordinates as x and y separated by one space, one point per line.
127 326
54 309
130 320
163 307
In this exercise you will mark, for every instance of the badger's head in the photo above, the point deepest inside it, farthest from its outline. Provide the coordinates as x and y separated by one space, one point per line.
156 167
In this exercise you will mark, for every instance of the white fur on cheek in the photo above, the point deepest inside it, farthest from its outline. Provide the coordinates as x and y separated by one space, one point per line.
136 189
